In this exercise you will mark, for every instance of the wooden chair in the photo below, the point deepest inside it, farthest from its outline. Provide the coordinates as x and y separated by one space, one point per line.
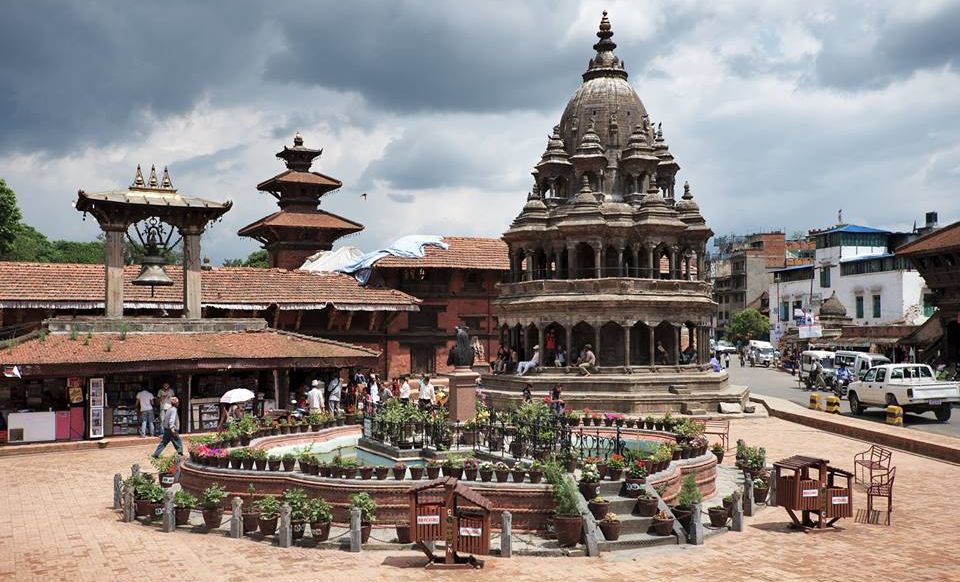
719 428
881 486
873 460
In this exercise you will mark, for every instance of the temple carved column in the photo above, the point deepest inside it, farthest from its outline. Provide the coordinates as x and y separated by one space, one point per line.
676 348
652 271
192 308
651 330
113 271
598 258
626 343
635 249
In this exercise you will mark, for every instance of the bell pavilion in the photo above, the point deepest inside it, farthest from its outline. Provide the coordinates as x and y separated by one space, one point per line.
604 254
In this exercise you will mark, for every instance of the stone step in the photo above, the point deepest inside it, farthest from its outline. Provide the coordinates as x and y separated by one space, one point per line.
622 505
634 523
610 489
637 540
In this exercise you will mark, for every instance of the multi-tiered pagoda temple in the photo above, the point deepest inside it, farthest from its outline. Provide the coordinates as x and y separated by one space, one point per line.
603 253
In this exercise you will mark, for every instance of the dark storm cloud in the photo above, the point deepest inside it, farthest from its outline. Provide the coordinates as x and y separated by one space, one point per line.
85 72
429 159
902 47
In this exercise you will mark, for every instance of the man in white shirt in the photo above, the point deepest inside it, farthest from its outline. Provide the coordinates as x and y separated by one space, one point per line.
405 391
165 396
145 408
374 390
315 396
427 394
533 362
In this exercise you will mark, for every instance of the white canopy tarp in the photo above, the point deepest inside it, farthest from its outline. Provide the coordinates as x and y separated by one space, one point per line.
328 261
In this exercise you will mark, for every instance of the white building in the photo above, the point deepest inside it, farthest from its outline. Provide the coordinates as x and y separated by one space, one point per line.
856 262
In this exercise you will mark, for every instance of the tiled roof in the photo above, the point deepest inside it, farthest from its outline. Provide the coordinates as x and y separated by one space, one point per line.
852 228
464 253
294 177
108 348
943 239
319 219
46 284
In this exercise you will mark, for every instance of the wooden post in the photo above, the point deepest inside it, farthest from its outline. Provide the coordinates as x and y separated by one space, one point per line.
506 532
355 536
191 272
236 518
117 491
113 271
285 535
169 517
772 493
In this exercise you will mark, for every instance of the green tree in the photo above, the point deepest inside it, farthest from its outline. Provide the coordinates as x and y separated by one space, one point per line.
256 259
9 217
747 325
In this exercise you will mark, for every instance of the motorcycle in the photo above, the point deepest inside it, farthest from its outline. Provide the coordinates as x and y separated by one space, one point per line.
842 382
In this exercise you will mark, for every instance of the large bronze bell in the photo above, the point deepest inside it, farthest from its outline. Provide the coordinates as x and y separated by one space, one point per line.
151 270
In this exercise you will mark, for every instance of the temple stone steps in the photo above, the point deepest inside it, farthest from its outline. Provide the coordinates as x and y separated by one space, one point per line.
634 529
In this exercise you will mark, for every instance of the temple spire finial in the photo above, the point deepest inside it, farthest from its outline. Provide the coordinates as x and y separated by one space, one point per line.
153 183
166 182
138 179
297 140
604 34
687 195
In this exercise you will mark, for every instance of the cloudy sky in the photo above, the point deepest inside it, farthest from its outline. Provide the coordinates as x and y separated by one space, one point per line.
779 113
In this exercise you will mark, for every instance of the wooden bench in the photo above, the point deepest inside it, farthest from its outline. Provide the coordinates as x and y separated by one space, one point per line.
719 428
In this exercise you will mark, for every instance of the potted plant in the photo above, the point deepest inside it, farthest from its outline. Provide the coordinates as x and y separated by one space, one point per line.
348 468
381 472
399 471
688 497
636 477
283 426
289 461
251 517
470 468
212 503
368 513
589 479
631 422
568 458
648 422
319 514
519 472
416 473
316 420
717 450
485 470
567 521
259 459
166 466
761 488
306 460
403 533
718 516
598 507
154 502
535 472
647 504
610 526
273 462
433 468
502 471
663 523
366 471
297 499
452 467
727 503
268 507
572 417
615 467
668 422
183 504
246 459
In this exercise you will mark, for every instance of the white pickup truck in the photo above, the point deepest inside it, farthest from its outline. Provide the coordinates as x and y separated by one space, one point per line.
910 386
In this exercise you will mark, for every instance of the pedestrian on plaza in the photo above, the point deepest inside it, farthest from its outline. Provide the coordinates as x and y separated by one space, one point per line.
165 394
404 390
145 402
333 397
556 399
427 394
726 360
171 428
315 396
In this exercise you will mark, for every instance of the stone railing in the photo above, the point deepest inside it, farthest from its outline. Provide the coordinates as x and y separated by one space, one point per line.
616 286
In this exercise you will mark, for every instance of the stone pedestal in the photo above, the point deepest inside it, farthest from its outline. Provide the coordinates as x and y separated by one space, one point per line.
463 401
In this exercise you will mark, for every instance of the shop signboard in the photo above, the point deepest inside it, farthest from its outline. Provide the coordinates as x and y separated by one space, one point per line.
96 408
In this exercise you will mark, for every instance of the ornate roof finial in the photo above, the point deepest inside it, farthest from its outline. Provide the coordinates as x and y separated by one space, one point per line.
604 34
138 179
297 140
686 191
153 177
660 131
166 182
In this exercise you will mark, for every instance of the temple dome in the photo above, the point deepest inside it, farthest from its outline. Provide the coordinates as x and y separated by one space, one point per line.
832 307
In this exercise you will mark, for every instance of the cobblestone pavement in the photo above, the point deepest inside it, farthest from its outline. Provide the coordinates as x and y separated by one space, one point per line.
56 524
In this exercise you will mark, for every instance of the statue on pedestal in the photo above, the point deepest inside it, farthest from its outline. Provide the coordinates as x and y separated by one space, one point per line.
463 353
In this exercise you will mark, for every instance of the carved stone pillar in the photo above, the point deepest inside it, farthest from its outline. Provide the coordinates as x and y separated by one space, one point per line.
529 254
113 271
541 336
596 342
572 261
676 349
652 270
569 348
620 262
635 249
598 259
191 273
653 344
626 343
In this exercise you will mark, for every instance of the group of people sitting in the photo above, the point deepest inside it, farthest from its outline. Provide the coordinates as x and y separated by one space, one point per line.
363 392
508 361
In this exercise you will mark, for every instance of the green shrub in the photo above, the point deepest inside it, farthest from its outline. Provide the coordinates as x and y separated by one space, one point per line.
689 492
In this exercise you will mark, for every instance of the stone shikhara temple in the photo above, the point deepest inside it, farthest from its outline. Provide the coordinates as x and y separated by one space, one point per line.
603 253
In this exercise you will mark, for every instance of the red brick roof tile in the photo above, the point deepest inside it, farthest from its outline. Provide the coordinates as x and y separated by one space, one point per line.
464 253
44 284
946 238
319 219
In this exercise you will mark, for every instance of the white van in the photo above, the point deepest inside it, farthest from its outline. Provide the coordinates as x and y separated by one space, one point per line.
807 360
845 358
865 361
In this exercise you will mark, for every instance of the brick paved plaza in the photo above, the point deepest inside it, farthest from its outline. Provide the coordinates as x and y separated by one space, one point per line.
56 524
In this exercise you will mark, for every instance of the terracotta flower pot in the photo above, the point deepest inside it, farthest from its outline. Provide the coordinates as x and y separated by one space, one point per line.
571 465
535 476
614 474
684 516
502 476
261 464
602 469
288 464
273 464
486 475
320 531
663 527
366 473
588 490
268 525
433 472
381 472
416 473
298 527
181 516
569 529
633 487
212 518
470 474
141 508
518 475
760 494
646 506
403 533
250 522
365 532
719 455
718 516
454 472
349 473
399 474
599 510
247 464
610 529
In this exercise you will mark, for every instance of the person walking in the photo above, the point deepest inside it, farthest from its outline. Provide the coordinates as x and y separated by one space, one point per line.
315 397
145 402
171 428
427 394
405 390
333 400
726 360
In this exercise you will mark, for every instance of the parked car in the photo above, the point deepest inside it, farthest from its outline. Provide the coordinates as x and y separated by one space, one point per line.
864 362
807 365
913 387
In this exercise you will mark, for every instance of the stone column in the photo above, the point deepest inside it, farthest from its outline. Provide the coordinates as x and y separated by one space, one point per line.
653 345
113 271
569 329
191 273
620 262
542 339
626 343
572 262
596 343
653 271
636 262
529 255
676 346
598 259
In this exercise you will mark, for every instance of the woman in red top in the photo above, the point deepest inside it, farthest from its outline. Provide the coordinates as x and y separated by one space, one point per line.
551 342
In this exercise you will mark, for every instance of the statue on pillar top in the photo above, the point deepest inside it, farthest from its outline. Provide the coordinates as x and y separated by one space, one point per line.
462 354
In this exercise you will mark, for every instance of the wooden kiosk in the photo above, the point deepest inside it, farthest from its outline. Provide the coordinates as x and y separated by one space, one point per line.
822 495
446 509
